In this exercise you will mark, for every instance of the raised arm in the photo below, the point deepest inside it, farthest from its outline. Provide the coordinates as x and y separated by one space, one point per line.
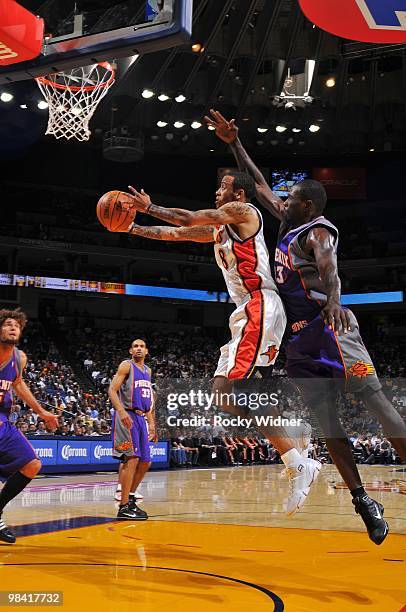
322 243
265 195
227 131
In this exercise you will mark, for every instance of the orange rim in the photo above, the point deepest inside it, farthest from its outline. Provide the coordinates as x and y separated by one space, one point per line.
106 65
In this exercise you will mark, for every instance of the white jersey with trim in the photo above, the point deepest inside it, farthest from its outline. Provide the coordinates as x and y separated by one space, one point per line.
244 263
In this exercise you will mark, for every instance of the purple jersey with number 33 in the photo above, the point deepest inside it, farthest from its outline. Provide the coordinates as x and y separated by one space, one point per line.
136 392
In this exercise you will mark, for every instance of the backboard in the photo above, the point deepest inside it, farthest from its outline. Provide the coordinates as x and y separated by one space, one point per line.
83 32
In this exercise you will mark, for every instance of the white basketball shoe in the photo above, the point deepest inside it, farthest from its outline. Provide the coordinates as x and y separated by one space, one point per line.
300 477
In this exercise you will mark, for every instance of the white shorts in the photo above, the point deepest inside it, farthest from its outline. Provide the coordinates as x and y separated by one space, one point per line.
257 327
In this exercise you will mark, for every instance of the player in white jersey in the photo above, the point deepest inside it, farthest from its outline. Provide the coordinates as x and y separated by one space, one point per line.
258 323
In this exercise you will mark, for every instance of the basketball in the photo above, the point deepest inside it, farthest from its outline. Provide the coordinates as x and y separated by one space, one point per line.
111 213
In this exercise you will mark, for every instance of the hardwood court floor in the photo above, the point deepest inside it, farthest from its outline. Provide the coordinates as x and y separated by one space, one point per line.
216 540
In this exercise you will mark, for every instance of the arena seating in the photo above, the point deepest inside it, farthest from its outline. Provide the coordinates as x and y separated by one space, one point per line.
180 356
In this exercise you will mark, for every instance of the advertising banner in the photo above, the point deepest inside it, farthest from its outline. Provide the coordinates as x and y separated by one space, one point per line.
88 453
73 453
159 452
101 452
46 450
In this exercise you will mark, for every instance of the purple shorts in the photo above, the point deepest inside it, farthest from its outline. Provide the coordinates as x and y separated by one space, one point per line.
131 442
15 450
317 352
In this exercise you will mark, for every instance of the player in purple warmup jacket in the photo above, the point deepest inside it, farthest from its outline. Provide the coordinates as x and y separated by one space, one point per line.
18 461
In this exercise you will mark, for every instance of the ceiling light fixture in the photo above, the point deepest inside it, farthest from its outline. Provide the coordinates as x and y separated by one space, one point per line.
331 82
178 124
180 98
314 128
147 94
281 128
162 124
262 130
6 97
196 125
163 97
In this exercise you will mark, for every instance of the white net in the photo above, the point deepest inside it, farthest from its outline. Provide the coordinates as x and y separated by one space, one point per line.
73 98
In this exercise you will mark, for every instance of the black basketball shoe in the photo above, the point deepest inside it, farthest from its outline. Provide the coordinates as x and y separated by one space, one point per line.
141 514
371 513
129 513
6 535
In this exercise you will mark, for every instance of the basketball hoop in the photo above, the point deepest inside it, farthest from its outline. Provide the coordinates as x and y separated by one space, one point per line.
73 98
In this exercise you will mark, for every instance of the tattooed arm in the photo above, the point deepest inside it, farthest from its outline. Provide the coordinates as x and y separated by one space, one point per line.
173 234
232 213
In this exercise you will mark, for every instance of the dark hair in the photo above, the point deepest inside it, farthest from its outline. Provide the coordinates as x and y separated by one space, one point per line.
314 191
17 314
142 340
243 181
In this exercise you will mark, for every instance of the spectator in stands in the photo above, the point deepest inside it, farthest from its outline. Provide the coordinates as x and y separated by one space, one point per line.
177 454
41 429
191 450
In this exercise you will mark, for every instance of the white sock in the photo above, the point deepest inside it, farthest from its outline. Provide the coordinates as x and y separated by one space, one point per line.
133 493
118 487
292 458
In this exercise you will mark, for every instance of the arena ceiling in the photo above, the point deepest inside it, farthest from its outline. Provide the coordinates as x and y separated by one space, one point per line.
245 51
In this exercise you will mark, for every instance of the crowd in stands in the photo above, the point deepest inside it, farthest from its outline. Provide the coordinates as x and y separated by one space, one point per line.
86 411
172 355
232 450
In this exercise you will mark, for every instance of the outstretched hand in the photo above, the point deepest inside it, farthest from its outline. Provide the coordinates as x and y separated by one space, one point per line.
137 200
227 131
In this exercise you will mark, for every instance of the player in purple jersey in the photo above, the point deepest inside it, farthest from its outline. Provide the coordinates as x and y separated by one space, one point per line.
18 461
323 340
130 393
